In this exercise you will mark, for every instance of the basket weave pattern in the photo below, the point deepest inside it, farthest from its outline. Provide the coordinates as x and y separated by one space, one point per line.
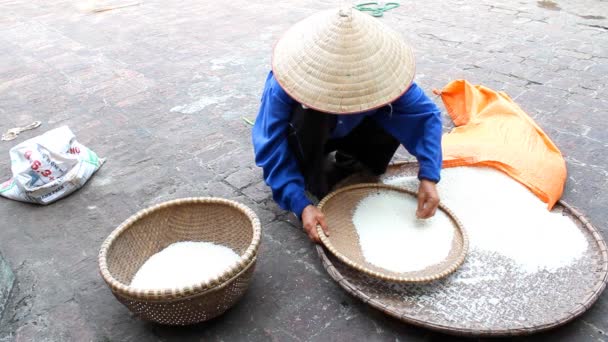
579 288
343 241
191 219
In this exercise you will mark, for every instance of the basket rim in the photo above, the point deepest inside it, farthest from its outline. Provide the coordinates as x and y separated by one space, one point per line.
245 260
451 268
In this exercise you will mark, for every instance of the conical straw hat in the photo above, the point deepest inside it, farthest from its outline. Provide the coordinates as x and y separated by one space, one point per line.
343 61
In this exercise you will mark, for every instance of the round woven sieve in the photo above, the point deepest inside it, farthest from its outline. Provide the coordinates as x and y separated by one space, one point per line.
534 297
343 241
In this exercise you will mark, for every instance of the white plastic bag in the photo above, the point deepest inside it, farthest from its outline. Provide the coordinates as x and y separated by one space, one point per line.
49 167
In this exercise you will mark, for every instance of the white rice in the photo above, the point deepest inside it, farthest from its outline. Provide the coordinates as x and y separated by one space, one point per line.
392 238
502 216
184 263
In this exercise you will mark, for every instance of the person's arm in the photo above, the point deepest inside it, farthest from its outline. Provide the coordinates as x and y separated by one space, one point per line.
272 151
280 167
416 122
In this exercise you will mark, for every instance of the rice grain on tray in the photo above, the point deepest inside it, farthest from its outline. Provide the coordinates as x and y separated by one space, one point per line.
502 216
184 263
393 238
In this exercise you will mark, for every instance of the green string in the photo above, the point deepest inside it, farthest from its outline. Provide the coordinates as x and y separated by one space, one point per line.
375 9
247 121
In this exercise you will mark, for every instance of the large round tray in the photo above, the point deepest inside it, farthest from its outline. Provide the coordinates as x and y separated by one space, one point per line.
536 302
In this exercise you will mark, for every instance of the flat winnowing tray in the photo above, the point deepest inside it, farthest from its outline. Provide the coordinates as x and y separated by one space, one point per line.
488 295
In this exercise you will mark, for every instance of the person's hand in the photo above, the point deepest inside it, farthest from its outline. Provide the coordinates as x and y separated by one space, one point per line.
428 199
311 217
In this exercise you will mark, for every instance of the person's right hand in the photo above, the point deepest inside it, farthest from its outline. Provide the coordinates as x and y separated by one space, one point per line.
311 217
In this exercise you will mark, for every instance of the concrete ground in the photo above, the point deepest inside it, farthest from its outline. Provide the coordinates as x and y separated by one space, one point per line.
159 89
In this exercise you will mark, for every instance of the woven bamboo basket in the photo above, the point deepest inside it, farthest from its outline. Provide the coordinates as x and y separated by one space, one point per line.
149 231
343 242
561 296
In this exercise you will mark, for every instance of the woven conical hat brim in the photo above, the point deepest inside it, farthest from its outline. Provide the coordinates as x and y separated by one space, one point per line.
343 61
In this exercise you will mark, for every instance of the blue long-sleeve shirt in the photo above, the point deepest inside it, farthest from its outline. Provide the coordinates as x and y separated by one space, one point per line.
415 121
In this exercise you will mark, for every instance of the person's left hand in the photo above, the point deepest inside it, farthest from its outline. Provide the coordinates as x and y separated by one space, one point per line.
428 199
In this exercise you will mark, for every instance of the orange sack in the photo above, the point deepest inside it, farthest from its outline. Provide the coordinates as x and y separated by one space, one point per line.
491 130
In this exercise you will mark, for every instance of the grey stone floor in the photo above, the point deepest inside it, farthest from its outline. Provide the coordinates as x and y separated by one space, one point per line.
159 90
7 280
